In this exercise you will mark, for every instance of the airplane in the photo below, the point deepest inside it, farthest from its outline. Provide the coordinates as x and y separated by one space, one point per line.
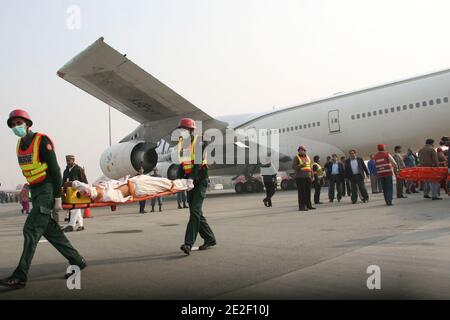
403 112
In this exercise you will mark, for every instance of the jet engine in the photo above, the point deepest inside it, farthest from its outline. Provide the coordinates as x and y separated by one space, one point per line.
127 158
168 169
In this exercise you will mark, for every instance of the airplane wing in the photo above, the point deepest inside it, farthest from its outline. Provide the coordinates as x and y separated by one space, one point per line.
110 76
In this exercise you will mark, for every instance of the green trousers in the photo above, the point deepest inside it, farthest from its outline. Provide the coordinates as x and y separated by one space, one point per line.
197 222
40 223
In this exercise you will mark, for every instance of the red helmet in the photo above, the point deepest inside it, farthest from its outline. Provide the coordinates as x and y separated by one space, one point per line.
18 113
381 147
187 123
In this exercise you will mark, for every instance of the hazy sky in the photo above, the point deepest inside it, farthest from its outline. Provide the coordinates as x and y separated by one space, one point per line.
225 56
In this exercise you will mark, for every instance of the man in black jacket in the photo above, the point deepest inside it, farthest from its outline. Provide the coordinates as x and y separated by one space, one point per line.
356 171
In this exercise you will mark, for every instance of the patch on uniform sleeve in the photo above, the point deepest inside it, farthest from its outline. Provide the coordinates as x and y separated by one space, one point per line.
49 147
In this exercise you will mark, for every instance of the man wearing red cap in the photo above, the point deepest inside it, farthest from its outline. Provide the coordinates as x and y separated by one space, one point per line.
197 170
304 175
37 160
384 164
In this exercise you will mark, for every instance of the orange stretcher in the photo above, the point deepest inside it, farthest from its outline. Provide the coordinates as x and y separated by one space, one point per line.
113 205
420 174
424 173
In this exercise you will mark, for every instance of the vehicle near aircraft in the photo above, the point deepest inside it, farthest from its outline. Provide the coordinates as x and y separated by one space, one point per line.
404 112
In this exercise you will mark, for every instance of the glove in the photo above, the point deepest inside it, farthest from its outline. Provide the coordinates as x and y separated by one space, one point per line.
58 205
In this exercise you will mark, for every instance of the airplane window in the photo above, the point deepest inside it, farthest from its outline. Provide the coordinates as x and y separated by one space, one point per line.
392 109
318 124
284 130
445 100
438 101
292 128
313 124
358 116
417 105
424 103
287 129
304 126
309 125
399 108
431 102
386 110
369 114
380 112
364 115
375 113
353 117
296 127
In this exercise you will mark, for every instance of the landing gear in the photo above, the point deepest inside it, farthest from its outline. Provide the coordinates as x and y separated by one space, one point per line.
248 185
288 184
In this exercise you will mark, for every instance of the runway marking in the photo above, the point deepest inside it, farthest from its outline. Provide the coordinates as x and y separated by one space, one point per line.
43 241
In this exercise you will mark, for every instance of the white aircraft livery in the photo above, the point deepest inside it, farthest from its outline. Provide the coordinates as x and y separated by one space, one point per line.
404 112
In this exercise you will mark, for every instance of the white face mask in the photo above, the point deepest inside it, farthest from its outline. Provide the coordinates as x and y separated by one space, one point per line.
20 131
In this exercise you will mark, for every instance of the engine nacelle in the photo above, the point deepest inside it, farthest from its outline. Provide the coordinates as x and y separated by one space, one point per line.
168 169
126 158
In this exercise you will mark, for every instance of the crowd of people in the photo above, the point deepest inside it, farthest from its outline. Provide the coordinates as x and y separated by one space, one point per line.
347 176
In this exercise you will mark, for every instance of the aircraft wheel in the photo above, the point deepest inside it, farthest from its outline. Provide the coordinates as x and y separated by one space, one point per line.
239 187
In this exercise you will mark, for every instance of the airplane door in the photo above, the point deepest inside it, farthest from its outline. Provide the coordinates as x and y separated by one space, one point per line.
333 121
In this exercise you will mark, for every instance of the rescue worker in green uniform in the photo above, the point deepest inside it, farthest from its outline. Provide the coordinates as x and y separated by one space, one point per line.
37 160
197 171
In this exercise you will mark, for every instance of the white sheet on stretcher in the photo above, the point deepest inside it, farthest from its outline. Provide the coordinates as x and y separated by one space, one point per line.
144 186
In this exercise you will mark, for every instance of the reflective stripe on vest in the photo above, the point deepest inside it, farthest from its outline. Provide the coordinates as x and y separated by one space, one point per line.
319 171
304 165
384 167
186 156
32 168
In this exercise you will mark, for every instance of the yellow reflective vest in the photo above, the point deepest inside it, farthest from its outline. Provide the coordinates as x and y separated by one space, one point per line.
32 168
305 165
186 155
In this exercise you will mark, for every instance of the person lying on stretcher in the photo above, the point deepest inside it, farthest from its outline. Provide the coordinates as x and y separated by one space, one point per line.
126 188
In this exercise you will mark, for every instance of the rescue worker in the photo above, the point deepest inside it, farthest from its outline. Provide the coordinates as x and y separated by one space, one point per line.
191 167
318 179
303 176
74 172
384 163
37 159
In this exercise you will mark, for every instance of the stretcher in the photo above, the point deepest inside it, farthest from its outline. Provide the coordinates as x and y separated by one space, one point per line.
421 174
424 174
73 200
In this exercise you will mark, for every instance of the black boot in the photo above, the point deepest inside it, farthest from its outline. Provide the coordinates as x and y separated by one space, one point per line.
184 205
81 265
13 283
153 209
160 208
186 249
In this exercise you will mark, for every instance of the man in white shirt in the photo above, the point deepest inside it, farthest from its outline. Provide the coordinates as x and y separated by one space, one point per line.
356 171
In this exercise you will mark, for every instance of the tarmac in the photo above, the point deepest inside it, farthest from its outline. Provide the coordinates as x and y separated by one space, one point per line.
262 253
